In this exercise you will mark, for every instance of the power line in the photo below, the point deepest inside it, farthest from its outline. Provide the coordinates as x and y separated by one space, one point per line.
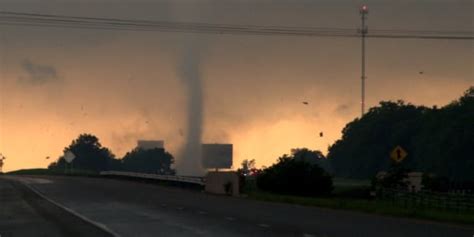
46 20
434 37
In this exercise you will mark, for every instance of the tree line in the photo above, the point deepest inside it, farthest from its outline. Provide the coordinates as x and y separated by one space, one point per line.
439 141
90 155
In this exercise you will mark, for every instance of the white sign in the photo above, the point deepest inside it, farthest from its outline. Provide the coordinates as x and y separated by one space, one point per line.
69 156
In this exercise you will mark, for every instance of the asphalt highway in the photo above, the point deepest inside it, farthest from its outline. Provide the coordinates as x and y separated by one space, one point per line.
129 208
24 213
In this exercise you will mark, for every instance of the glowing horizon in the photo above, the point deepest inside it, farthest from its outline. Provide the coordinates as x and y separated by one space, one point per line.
123 86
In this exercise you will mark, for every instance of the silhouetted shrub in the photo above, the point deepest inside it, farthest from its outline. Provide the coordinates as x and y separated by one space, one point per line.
395 178
295 177
155 161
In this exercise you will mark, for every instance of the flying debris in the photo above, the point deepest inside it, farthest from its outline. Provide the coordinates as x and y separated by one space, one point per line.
421 72
47 157
305 102
321 134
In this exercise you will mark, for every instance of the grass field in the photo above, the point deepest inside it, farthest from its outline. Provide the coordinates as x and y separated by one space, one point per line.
369 206
338 200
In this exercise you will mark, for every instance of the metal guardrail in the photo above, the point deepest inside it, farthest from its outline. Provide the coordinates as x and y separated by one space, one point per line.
174 178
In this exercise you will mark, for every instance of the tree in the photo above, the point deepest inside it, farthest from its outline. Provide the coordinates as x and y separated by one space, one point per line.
89 154
445 144
2 158
295 177
247 167
366 143
313 157
438 140
395 178
156 161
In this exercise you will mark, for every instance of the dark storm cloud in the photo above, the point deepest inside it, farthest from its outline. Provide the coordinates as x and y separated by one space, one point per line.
38 74
139 85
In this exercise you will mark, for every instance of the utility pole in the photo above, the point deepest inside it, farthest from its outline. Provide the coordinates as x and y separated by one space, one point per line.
364 10
2 158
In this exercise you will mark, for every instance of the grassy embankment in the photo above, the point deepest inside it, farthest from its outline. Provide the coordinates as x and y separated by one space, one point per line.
342 198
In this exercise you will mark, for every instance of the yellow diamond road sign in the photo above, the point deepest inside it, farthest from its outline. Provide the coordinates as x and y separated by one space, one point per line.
398 154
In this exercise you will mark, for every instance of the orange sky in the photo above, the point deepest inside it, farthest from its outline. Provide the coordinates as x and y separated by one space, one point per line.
123 86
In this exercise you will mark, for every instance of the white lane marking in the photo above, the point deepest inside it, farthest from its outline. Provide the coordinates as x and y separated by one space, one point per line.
229 218
264 225
94 223
202 212
308 235
180 208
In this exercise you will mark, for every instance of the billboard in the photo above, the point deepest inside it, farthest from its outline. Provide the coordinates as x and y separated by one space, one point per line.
150 144
216 156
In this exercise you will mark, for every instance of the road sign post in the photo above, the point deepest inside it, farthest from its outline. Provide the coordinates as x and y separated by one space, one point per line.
398 154
68 157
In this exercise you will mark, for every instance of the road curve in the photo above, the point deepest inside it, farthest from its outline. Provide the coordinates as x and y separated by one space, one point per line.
138 209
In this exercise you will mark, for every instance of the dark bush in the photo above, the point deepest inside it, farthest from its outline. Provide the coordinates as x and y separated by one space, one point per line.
155 161
295 177
90 155
395 178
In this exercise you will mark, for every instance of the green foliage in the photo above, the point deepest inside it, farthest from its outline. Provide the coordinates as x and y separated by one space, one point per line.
89 153
395 178
247 167
435 183
246 171
156 161
439 141
312 157
351 188
369 206
294 176
91 156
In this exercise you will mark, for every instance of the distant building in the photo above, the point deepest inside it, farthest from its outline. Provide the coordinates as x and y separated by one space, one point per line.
150 144
413 180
